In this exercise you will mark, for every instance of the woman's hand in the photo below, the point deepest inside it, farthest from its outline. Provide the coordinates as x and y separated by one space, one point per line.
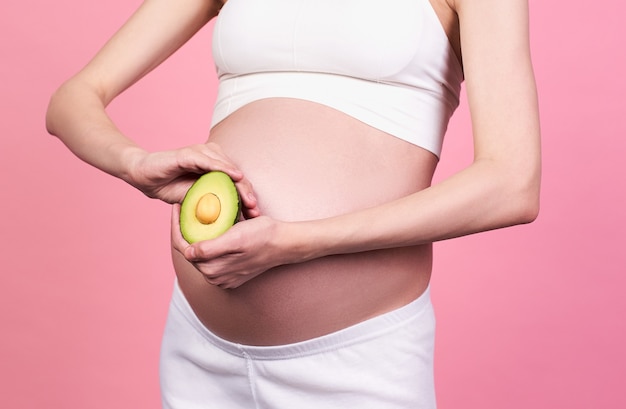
246 250
167 175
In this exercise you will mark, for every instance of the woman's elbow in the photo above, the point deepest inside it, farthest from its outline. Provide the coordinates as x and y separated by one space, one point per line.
70 102
58 105
526 202
530 211
51 114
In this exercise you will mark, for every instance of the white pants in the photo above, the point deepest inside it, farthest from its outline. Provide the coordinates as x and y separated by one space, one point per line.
385 362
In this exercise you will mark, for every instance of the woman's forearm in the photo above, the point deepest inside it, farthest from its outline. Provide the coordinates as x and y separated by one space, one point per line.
76 113
482 197
77 116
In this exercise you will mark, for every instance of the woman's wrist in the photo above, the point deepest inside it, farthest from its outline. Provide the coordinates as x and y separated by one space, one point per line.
341 234
300 242
130 158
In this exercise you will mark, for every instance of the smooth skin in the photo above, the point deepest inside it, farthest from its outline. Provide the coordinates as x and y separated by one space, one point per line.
499 188
77 115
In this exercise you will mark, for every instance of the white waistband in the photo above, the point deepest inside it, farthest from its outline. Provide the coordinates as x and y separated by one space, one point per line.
358 333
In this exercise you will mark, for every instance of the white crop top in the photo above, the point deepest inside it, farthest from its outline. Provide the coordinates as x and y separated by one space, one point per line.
388 64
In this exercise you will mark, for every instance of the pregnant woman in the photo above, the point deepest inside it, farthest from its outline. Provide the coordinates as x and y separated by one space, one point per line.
330 118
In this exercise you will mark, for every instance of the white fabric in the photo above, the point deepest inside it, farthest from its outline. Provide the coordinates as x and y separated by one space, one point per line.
382 363
388 64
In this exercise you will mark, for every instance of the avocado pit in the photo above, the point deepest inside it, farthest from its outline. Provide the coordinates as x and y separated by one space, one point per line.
208 208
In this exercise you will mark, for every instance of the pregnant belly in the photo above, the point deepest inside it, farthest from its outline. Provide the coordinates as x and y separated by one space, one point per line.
308 161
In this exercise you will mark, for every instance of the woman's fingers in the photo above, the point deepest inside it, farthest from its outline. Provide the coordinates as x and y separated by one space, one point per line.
227 261
200 253
178 242
212 158
203 158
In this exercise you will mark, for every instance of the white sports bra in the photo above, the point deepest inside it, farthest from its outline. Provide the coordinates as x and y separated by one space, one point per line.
388 64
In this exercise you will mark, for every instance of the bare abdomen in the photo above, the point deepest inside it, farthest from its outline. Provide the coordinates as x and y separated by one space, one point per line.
308 161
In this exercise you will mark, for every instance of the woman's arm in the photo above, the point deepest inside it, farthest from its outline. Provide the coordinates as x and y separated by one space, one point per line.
500 188
77 115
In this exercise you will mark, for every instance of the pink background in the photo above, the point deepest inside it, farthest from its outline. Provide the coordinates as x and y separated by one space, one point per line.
533 316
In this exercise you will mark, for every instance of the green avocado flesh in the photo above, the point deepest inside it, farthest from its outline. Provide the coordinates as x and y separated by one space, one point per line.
215 193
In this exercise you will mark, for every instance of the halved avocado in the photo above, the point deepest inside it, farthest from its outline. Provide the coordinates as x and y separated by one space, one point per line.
210 207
